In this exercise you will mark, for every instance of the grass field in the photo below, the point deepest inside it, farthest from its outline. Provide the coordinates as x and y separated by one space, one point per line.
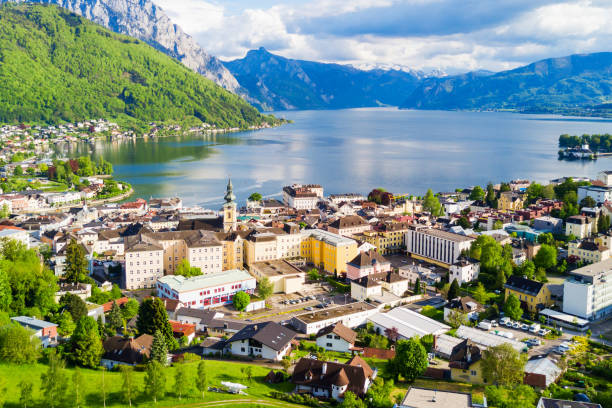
92 379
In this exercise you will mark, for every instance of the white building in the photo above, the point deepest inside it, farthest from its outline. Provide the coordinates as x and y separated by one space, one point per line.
579 226
436 246
351 315
336 337
464 270
302 197
346 198
268 340
144 264
204 291
588 292
64 198
16 233
407 322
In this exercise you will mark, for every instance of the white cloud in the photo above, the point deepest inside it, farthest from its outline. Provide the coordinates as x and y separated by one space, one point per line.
367 32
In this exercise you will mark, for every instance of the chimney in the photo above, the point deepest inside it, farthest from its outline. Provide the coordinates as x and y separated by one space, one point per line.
324 369
255 327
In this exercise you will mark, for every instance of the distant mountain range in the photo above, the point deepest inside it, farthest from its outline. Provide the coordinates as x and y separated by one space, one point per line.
554 84
279 83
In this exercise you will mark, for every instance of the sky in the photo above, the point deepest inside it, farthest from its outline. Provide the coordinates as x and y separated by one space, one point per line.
447 35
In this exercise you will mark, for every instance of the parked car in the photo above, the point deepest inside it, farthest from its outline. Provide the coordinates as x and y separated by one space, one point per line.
516 325
309 308
525 327
494 323
484 325
504 321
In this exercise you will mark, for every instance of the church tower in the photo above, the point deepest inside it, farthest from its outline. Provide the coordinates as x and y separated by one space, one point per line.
229 209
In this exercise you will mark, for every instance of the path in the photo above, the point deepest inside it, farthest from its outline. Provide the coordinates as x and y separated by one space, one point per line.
236 402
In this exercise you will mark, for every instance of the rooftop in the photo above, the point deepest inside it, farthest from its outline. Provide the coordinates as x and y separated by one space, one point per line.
326 314
32 322
445 234
329 237
181 284
276 268
428 398
594 269
409 323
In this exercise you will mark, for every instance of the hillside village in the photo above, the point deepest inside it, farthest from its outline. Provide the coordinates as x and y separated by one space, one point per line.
343 299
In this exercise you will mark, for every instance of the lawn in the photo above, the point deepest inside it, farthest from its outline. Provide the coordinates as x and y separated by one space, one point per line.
217 371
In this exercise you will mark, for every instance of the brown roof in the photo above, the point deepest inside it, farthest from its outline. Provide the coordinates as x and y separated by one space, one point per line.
340 330
309 372
368 258
464 355
128 350
348 222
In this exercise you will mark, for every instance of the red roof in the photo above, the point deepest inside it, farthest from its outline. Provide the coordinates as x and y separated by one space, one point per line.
109 305
134 204
11 227
182 328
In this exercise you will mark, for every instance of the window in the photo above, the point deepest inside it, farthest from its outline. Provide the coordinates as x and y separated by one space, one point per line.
473 373
329 345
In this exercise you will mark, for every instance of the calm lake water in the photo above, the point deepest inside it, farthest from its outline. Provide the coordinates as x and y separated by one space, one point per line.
355 150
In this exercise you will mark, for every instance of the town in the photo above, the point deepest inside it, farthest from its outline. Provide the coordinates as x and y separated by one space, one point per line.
494 296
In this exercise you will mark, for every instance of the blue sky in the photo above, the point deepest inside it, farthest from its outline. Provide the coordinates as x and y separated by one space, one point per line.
448 35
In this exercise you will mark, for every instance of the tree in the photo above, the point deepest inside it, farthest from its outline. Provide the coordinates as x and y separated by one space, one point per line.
255 197
480 293
464 223
65 325
265 288
520 396
76 264
512 307
491 198
603 223
115 320
453 291
159 349
54 381
26 393
155 380
498 224
181 381
456 318
379 393
152 316
477 194
3 393
503 365
410 359
130 309
247 371
392 333
241 300
417 286
5 212
587 202
503 187
546 257
186 270
77 387
18 345
527 269
546 238
128 387
74 305
432 204
201 379
351 401
313 274
86 344
18 172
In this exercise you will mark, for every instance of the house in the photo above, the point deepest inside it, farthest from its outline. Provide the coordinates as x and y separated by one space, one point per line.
331 380
579 226
417 397
45 331
464 363
326 250
209 321
336 337
557 403
119 350
268 340
351 315
534 295
285 277
187 330
375 286
464 270
466 305
144 262
407 323
388 237
588 251
511 201
366 263
302 197
349 225
16 233
586 291
541 371
548 224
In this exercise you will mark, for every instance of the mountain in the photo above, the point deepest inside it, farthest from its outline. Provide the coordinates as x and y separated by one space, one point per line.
57 66
555 84
144 20
279 83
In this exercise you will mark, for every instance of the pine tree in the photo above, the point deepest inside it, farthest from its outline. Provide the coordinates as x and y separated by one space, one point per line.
152 316
453 291
155 380
201 378
86 343
115 320
417 286
76 264
159 349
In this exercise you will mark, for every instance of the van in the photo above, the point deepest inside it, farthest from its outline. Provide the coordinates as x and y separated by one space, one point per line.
534 328
484 325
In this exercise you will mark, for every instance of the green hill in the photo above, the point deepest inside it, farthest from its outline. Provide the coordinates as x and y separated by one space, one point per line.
58 67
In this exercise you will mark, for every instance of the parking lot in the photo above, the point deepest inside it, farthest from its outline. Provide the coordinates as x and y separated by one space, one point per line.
546 346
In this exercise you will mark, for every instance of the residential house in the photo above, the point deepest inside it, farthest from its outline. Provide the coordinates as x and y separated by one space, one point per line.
534 295
417 397
186 330
388 237
336 337
367 263
328 379
511 201
143 263
541 372
588 251
302 197
464 363
464 270
45 331
349 225
465 305
119 350
374 286
328 251
268 340
579 226
548 224
351 315
557 403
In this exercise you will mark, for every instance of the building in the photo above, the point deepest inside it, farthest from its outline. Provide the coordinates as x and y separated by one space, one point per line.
268 340
285 277
578 226
375 287
302 197
511 201
565 320
350 315
548 224
143 264
436 246
534 295
557 403
346 198
179 330
336 337
541 371
268 244
588 251
464 363
464 270
328 251
229 209
119 350
388 237
487 339
349 225
367 263
328 379
45 331
206 291
466 305
408 323
15 233
588 291
233 249
417 397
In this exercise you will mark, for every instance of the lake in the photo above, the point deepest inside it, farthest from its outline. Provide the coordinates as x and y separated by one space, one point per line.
355 150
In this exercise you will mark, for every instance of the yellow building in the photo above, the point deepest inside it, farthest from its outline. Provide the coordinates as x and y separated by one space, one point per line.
534 295
465 364
509 200
327 250
588 251
388 239
233 250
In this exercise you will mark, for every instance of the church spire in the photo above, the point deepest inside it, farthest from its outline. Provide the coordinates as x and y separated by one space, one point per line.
229 194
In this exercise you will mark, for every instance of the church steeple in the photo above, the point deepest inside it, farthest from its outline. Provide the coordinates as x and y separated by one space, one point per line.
229 194
229 208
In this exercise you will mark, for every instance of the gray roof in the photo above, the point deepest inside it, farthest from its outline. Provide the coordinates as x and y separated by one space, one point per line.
270 334
183 284
557 403
32 322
